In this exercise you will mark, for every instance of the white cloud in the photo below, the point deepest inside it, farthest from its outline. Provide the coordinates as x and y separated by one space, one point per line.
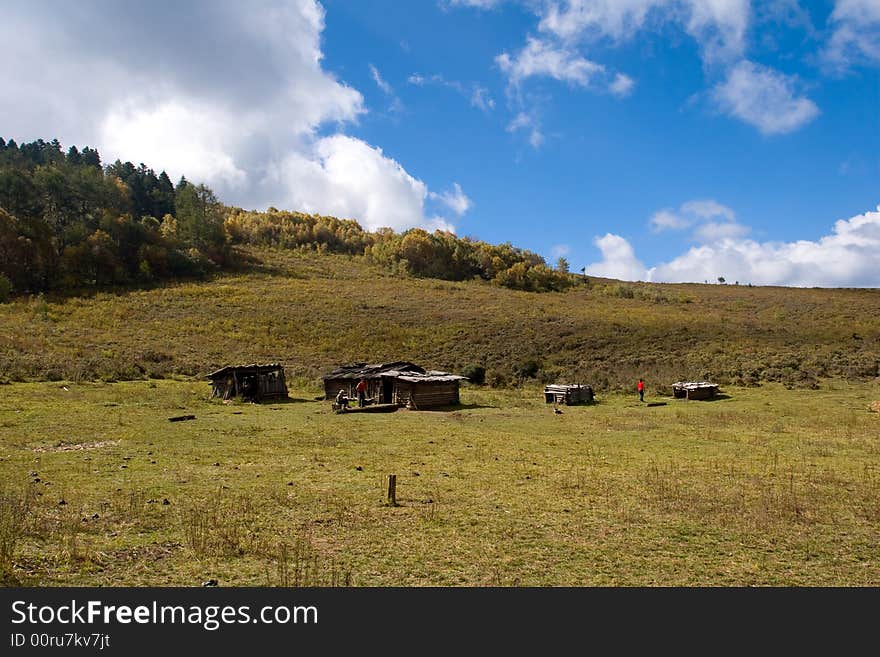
396 105
715 231
622 85
247 118
377 78
347 177
539 58
477 95
618 260
456 200
479 4
481 99
196 139
706 209
764 98
668 220
718 25
848 257
527 123
617 19
696 212
856 33
560 250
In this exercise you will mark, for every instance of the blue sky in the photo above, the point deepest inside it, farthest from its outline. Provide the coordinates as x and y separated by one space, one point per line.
667 140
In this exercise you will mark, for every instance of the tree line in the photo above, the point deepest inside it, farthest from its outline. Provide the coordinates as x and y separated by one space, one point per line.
67 222
415 252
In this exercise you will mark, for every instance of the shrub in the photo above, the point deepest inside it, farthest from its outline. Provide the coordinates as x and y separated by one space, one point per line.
527 369
5 289
475 374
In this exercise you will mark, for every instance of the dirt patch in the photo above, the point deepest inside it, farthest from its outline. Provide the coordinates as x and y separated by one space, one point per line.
875 406
73 447
153 552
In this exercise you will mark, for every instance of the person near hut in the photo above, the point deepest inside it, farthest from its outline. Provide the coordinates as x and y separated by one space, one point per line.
362 392
341 399
640 386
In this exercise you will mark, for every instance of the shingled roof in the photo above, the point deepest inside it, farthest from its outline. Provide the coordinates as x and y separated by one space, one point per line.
370 371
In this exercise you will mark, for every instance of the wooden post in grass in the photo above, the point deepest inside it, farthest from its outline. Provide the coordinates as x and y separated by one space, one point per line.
392 490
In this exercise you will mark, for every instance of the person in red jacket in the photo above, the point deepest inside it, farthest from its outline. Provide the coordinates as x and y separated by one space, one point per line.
640 386
362 392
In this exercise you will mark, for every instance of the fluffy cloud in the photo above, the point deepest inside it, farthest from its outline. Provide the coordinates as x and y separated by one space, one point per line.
195 138
233 95
764 98
540 58
668 220
848 257
346 177
856 33
714 231
622 85
456 200
618 260
707 209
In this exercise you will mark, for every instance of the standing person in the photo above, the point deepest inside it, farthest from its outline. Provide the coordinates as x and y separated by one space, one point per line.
362 392
640 386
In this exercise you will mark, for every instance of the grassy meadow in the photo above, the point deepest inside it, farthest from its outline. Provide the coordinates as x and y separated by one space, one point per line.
765 486
312 312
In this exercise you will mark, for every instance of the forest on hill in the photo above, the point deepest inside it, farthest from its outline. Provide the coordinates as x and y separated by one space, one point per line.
67 223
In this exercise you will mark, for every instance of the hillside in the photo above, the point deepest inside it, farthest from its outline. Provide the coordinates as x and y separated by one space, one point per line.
312 311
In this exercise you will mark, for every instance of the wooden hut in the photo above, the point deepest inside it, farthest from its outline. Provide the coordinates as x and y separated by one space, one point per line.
401 382
379 389
249 382
429 390
568 394
694 389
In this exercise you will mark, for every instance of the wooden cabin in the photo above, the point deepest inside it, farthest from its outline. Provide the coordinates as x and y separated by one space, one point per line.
402 383
379 388
568 394
249 382
694 389
432 389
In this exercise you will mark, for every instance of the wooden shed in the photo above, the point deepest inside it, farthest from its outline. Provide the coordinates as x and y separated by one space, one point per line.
249 382
694 389
568 394
401 382
429 390
379 388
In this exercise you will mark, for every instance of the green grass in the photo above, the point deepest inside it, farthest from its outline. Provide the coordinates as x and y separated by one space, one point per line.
766 486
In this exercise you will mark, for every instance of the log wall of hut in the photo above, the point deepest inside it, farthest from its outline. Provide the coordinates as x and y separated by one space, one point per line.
254 382
426 394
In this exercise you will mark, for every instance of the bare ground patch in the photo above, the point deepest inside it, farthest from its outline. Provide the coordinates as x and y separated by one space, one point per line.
74 447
